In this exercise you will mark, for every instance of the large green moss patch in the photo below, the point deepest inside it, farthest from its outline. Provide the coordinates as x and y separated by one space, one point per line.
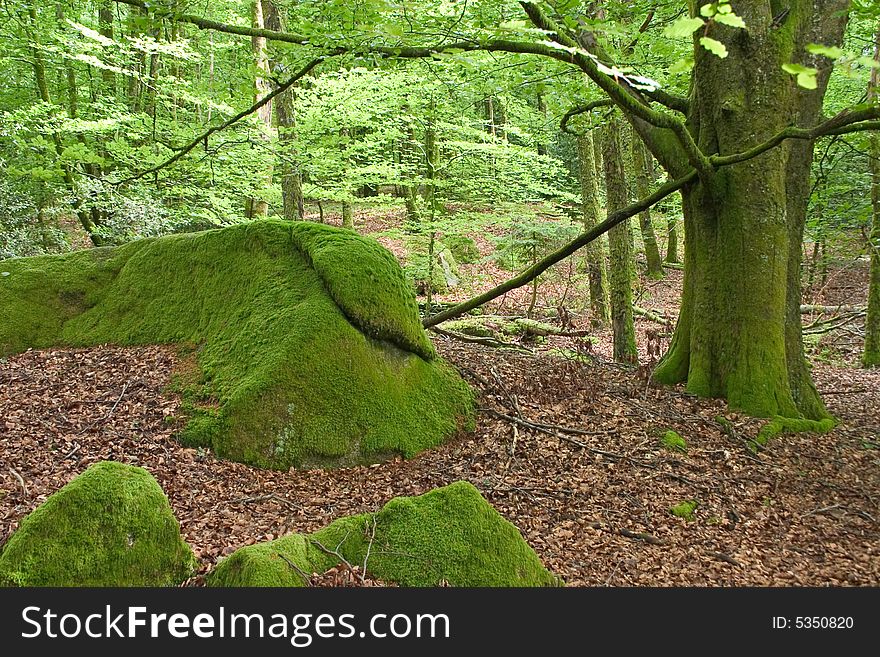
308 341
450 535
111 526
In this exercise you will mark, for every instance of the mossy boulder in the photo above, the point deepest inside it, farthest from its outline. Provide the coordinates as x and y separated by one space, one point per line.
110 526
464 248
309 346
449 535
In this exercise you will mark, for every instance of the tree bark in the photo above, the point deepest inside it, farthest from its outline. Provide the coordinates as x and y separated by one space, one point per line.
871 354
293 203
259 206
595 251
643 174
105 27
672 240
620 245
738 334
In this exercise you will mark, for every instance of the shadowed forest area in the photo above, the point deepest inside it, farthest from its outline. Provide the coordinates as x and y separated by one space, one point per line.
430 293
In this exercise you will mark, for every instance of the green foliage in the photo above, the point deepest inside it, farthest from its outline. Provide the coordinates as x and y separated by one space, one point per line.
450 535
528 240
283 314
111 526
685 510
673 441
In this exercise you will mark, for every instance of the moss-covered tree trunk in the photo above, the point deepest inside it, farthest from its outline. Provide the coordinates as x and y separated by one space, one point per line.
871 355
595 251
105 23
739 331
620 246
643 174
672 239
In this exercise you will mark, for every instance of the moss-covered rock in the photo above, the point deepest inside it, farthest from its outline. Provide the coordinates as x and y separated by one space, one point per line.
464 248
110 526
449 535
310 350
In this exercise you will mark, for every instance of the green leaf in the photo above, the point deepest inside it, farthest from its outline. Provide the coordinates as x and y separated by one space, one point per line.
729 19
681 66
683 27
806 76
709 10
797 69
725 8
806 81
831 52
714 46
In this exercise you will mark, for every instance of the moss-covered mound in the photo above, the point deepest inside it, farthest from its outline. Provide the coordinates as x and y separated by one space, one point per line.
451 534
310 348
111 526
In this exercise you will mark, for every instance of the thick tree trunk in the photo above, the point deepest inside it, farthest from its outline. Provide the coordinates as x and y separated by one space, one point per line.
620 246
738 335
871 355
595 251
643 173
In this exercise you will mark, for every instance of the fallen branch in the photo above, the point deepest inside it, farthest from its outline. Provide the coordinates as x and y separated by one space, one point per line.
641 536
488 342
299 571
723 557
20 482
651 316
831 310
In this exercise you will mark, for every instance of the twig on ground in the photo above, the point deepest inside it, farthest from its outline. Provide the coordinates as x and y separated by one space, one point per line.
299 571
24 488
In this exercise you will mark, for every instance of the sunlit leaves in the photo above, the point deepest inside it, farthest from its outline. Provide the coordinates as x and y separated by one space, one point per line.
683 27
806 75
714 46
831 52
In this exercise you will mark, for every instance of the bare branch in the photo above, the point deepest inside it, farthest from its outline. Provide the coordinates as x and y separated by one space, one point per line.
202 138
582 109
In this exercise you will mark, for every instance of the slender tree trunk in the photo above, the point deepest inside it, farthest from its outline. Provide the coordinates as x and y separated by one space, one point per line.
672 239
595 251
105 27
620 245
643 174
410 157
542 110
871 355
258 206
285 116
739 332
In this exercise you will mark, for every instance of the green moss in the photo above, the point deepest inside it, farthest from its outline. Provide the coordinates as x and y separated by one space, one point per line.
673 441
111 526
685 510
451 534
781 424
310 349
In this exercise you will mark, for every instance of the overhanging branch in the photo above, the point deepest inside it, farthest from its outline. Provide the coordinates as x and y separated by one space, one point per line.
202 138
582 109
563 252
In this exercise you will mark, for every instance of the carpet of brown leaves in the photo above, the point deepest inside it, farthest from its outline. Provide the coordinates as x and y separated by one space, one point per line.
593 499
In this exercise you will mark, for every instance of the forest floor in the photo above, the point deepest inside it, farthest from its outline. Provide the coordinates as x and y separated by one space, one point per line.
568 449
